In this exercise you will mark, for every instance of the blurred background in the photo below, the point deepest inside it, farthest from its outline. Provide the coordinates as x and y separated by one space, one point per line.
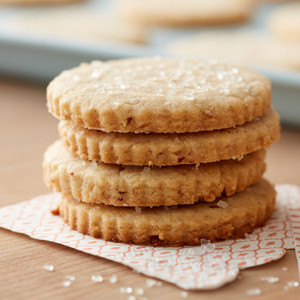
40 38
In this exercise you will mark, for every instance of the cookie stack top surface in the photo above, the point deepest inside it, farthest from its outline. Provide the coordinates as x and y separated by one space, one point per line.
159 95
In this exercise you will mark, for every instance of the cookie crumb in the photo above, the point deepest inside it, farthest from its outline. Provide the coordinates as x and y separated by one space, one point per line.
55 212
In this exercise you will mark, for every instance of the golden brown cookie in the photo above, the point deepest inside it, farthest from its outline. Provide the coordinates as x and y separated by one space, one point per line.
284 22
244 47
158 95
144 186
77 25
171 149
185 12
225 218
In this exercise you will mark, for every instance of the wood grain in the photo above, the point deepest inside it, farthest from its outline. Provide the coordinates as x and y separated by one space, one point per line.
26 129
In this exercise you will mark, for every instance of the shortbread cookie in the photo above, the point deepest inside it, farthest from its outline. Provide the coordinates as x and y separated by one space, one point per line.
158 95
185 12
144 186
171 149
77 24
284 22
248 48
225 218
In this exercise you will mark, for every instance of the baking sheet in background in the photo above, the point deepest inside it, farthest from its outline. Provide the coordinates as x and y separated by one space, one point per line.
43 58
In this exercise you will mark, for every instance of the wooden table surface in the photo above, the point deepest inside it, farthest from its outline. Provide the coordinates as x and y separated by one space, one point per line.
26 130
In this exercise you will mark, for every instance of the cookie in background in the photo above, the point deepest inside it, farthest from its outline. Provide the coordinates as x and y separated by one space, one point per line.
250 48
185 12
77 24
284 22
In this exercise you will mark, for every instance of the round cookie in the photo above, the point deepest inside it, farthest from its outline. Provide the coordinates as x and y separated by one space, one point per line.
245 47
158 95
170 149
77 25
284 22
185 12
143 186
174 226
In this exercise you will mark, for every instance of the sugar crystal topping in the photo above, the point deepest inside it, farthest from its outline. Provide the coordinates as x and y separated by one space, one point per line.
293 283
270 279
48 267
139 291
66 283
184 294
94 165
222 204
254 292
113 278
97 278
70 277
152 282
187 79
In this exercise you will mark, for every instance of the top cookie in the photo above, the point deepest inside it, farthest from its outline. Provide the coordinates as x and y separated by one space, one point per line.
185 12
158 95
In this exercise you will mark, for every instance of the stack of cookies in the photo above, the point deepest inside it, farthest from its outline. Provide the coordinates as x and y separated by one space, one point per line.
161 151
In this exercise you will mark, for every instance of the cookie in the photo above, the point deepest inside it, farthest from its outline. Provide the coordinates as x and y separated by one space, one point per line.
170 149
225 218
248 48
185 13
284 22
158 95
94 27
144 186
